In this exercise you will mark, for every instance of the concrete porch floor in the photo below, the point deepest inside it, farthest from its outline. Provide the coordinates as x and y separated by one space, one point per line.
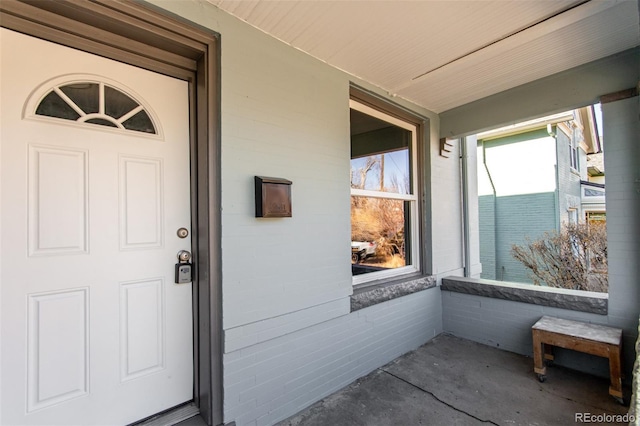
452 381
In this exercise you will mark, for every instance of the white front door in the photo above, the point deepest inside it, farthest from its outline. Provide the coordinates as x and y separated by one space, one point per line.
94 174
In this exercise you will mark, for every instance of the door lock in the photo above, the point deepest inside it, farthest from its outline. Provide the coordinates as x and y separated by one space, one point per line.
184 268
184 256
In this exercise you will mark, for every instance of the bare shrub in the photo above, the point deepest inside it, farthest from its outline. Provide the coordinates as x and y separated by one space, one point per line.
574 258
365 223
380 220
394 261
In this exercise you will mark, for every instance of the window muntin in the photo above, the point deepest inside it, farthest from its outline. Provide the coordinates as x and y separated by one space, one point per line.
54 106
85 95
383 195
95 103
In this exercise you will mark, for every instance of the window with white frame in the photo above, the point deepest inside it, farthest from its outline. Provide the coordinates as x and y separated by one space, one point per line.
573 149
384 201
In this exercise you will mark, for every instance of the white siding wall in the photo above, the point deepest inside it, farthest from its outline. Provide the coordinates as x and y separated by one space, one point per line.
289 336
446 212
622 164
473 209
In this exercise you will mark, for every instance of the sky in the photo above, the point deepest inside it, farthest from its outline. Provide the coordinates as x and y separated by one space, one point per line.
396 164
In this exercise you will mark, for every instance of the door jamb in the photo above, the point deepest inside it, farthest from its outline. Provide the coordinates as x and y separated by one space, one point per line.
162 43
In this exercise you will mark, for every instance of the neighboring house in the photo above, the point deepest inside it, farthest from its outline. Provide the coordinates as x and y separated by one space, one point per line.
593 190
532 177
132 133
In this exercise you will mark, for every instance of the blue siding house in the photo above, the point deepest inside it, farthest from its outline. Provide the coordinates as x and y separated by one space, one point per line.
532 177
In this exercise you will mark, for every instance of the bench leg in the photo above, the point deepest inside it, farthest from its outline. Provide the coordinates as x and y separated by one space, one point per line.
615 371
548 354
538 363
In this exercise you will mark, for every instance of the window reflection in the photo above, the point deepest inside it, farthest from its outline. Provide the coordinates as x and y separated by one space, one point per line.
379 227
380 155
383 201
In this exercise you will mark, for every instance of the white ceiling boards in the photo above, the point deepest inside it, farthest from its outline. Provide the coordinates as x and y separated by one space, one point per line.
443 54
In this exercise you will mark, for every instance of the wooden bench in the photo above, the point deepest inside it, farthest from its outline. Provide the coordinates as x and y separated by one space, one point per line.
579 336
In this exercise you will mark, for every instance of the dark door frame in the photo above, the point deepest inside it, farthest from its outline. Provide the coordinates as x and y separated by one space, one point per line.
149 38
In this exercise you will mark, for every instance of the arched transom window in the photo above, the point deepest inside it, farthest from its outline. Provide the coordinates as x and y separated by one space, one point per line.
96 103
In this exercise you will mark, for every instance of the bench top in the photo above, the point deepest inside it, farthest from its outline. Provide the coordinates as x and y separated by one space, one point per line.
594 332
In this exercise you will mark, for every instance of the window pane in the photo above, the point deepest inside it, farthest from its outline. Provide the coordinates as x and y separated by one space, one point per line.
380 155
54 106
385 172
101 122
116 103
72 101
140 123
379 230
85 95
531 214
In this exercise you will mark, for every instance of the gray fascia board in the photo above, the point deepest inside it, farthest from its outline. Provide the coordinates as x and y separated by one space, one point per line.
570 89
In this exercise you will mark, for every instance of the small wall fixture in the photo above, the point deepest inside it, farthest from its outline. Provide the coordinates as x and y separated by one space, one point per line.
273 197
446 147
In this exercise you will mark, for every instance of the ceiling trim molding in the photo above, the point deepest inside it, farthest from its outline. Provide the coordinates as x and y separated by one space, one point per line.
618 96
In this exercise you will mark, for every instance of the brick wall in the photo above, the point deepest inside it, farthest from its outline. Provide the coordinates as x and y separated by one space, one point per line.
505 221
519 217
507 325
487 231
272 380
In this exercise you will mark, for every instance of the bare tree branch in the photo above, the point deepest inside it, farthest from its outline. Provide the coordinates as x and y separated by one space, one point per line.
574 258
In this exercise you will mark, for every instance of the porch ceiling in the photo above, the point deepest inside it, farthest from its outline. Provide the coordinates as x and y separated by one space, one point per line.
443 54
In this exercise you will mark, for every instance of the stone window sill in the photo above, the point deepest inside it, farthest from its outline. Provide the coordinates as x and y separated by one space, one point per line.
575 300
372 294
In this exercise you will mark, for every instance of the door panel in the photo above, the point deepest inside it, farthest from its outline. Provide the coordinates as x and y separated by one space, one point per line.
57 362
58 200
93 329
140 203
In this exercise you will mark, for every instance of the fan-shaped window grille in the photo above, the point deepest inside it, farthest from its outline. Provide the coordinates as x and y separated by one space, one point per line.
96 103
